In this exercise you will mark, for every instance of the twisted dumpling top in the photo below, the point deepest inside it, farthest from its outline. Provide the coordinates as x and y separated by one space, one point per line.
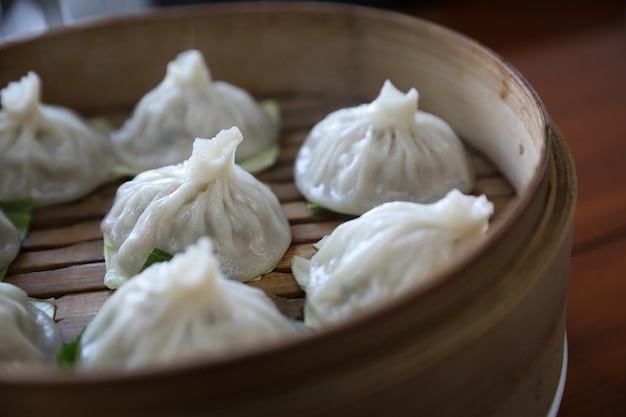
357 158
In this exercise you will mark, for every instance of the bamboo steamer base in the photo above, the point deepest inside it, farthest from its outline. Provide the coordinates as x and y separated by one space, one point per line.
485 340
62 256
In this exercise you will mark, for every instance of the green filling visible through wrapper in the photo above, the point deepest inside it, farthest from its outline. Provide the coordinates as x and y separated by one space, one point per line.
115 276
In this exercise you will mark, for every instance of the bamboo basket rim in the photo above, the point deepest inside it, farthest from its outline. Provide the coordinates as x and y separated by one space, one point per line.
54 378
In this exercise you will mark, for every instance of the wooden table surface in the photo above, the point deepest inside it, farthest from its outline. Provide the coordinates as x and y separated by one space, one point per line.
574 54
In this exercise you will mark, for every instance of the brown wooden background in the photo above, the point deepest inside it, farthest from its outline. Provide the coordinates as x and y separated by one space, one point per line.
574 54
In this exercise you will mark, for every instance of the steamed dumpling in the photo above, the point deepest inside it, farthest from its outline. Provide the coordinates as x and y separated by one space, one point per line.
27 334
10 242
189 104
208 195
47 153
179 310
360 157
392 248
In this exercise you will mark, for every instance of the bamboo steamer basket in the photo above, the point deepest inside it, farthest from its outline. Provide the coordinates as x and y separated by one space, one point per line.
484 338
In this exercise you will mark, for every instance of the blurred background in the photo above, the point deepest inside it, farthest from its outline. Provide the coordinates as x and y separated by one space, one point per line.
494 22
19 17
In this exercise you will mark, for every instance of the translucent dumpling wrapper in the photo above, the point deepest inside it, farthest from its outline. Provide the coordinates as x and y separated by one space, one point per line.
15 217
207 195
189 104
10 242
393 248
28 335
47 153
357 158
178 310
